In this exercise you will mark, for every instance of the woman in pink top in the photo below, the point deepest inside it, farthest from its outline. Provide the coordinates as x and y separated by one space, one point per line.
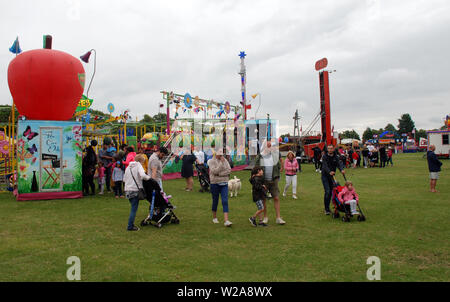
349 196
130 155
291 168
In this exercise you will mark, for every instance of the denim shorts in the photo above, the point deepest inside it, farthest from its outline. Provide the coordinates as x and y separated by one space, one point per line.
434 175
259 204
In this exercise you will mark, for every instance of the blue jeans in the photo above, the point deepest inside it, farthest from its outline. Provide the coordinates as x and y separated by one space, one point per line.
223 191
328 187
134 206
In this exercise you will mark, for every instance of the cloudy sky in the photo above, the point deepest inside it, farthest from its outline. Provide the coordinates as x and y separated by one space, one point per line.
390 57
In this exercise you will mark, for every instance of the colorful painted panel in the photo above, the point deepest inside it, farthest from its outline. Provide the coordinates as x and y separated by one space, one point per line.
49 159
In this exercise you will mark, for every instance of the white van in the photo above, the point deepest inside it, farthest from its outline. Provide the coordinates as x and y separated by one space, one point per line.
440 139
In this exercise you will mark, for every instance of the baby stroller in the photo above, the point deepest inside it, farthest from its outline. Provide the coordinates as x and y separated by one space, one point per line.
203 177
161 210
341 207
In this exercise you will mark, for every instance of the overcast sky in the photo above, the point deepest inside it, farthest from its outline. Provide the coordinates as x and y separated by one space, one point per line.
390 57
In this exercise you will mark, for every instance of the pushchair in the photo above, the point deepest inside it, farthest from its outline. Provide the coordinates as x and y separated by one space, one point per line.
161 210
341 207
203 176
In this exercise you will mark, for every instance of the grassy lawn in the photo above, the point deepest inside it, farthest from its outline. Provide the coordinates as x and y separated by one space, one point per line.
407 228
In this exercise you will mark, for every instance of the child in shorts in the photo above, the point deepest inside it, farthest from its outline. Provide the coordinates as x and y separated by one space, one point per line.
259 194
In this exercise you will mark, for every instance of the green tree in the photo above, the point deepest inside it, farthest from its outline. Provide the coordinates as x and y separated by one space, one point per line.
390 127
349 134
5 112
368 134
421 133
147 119
405 123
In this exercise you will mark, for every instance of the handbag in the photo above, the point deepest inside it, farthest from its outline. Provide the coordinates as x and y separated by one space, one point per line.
141 193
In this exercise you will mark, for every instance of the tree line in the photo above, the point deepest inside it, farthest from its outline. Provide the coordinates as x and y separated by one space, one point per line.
405 125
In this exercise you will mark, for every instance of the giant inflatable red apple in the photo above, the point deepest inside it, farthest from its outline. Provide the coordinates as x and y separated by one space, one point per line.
46 84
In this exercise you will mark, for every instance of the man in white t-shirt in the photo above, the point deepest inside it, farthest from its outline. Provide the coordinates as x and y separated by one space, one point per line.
155 165
200 156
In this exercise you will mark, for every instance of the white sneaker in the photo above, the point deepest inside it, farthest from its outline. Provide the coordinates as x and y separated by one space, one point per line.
355 213
280 221
227 223
265 220
294 196
215 220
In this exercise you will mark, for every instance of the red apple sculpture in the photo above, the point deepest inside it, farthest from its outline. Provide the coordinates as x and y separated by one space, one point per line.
46 84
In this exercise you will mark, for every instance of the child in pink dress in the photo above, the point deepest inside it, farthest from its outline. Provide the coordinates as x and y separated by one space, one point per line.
101 176
349 196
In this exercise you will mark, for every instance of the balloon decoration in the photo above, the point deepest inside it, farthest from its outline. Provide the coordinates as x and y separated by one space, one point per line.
46 84
110 108
196 101
149 137
187 100
188 104
227 107
286 139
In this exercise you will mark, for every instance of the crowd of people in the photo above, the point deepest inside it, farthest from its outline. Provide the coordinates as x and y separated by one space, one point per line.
125 170
368 156
109 165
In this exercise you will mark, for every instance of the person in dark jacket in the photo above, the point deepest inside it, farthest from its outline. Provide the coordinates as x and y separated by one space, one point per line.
383 156
298 157
316 158
434 166
88 169
258 194
330 162
365 154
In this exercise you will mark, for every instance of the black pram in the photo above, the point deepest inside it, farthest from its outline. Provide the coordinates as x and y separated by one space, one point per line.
203 176
161 210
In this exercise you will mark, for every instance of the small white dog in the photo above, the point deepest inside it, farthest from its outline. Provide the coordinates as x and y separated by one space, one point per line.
234 185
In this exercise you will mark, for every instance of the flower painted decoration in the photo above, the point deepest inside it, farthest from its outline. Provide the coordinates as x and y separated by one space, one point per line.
4 147
23 166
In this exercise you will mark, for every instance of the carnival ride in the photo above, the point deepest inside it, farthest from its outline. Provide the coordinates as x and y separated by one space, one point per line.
326 136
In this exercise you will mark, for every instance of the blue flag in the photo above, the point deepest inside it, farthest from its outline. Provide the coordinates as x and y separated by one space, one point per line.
15 48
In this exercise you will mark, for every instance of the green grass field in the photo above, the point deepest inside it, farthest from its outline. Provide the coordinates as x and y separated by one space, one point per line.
407 227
